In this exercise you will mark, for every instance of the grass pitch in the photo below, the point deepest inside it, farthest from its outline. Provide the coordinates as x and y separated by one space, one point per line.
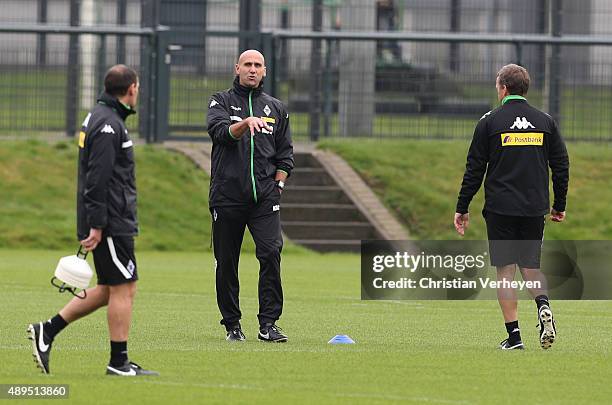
410 352
419 181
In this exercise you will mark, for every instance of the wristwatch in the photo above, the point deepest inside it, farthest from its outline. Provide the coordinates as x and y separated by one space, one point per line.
280 184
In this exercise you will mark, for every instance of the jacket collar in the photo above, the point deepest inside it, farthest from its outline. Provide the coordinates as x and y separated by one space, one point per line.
512 97
244 91
120 108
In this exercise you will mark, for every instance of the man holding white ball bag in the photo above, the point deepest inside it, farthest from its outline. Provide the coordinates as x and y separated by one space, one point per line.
107 224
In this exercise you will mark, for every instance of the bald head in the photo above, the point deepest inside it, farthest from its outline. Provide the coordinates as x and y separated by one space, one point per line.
251 53
251 68
118 80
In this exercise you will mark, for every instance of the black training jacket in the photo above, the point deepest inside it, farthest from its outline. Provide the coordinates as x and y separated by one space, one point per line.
243 170
515 144
106 194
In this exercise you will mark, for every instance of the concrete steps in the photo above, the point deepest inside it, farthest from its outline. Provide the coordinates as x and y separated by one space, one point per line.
318 214
311 176
330 245
314 194
322 211
329 230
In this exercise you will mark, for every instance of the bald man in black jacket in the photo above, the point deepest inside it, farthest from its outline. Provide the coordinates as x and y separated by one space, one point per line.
252 156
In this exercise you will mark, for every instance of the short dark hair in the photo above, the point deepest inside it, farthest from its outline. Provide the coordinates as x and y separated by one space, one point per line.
118 80
515 78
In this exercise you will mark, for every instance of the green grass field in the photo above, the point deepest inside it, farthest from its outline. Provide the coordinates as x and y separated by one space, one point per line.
38 184
407 351
38 181
420 180
38 210
411 352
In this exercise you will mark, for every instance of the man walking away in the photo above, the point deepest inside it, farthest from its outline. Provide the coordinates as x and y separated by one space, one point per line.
106 223
515 145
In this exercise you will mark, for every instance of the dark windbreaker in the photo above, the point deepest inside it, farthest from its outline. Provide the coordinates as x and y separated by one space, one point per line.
243 170
106 194
515 145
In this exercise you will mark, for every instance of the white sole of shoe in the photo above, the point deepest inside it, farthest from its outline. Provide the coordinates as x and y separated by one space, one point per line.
234 340
515 347
35 355
547 338
284 340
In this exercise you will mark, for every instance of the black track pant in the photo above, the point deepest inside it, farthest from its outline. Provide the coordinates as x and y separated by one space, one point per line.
263 220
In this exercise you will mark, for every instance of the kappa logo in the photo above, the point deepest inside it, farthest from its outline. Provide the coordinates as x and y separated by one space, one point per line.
213 103
107 129
267 110
215 215
521 123
275 208
235 108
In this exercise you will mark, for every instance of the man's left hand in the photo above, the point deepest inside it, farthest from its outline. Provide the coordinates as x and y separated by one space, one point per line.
92 241
461 222
557 216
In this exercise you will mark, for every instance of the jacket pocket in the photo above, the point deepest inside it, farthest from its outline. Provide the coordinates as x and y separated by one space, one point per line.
129 204
116 203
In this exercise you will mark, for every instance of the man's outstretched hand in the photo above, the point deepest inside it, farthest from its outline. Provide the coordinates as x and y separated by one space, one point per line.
256 125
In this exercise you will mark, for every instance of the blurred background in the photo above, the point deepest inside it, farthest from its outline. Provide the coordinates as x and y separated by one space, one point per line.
345 68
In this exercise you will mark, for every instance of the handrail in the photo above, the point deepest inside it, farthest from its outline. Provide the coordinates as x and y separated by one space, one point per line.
445 37
67 29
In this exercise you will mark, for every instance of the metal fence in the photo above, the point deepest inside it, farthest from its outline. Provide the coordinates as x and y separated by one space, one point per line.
495 16
354 93
349 93
53 98
342 82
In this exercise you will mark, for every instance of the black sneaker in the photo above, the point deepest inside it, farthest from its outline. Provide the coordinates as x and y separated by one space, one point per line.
548 331
235 335
505 345
41 346
129 369
271 333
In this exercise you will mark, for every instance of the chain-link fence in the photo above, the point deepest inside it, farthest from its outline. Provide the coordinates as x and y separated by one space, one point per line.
53 97
393 87
354 93
496 16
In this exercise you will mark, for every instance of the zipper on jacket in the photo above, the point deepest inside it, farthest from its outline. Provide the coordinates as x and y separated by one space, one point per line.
252 151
